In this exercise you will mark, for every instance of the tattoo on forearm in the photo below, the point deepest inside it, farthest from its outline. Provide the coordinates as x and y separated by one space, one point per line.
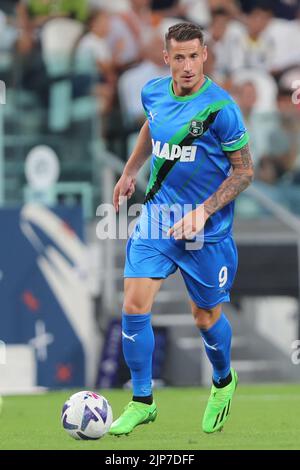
240 179
228 191
246 157
241 160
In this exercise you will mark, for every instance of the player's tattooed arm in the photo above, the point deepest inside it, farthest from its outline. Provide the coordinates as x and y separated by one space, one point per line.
240 178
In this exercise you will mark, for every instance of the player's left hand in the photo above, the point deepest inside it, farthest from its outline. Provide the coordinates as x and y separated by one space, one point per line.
191 224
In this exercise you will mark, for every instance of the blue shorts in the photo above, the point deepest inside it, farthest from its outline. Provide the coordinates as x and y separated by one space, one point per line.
208 272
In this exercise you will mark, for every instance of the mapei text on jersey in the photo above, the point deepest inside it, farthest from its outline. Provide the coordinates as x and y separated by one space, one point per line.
185 153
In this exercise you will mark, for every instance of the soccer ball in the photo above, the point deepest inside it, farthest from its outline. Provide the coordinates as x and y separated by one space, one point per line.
86 415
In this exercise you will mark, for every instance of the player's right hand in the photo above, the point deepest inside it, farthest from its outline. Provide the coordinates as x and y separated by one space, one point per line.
125 187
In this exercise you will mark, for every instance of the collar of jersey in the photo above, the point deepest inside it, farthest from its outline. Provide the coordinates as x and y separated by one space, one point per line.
201 90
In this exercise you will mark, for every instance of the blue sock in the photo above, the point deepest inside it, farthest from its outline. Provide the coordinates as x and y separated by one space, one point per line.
217 341
138 347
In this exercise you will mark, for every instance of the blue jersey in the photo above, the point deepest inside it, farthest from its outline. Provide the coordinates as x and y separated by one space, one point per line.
190 137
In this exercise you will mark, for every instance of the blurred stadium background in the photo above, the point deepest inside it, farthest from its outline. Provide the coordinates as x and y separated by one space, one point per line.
69 116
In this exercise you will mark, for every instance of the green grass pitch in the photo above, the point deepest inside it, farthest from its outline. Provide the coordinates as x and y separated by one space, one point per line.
263 417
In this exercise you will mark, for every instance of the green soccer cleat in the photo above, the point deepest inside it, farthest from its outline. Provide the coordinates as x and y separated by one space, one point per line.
134 414
219 406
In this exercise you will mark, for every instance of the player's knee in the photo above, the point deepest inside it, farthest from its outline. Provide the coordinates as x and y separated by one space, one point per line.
205 318
135 306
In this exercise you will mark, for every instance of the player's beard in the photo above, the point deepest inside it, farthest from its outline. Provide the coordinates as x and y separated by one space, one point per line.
190 85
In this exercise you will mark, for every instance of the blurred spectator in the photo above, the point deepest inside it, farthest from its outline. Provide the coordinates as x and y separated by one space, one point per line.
197 11
283 158
256 92
224 37
232 6
265 86
153 66
169 8
93 46
294 40
286 9
29 71
129 32
138 19
247 97
268 45
93 51
258 47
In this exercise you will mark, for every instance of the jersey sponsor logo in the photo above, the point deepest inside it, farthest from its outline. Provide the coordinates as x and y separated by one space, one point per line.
196 128
185 153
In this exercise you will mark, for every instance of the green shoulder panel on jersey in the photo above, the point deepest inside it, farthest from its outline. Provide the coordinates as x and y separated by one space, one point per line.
183 137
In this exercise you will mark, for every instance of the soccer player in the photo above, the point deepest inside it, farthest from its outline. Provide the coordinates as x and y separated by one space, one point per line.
200 158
